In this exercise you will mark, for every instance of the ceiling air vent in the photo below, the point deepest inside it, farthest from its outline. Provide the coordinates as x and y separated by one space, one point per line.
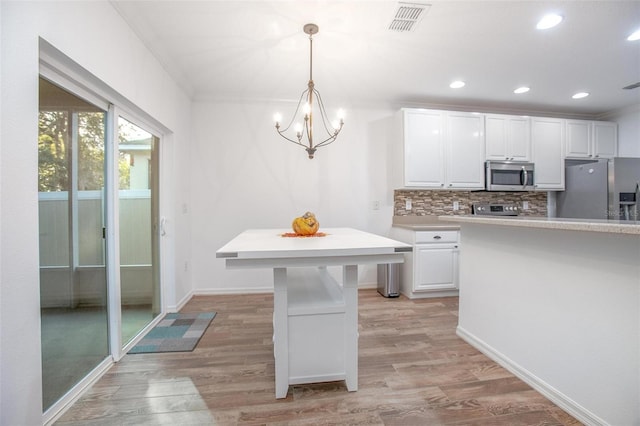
632 86
408 15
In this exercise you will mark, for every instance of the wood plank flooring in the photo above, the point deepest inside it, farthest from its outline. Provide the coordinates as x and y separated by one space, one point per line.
413 370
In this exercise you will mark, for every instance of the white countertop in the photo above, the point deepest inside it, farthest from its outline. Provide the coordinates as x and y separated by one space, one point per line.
423 223
269 243
589 225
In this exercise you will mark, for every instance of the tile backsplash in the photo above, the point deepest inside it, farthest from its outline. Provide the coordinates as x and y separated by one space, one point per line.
440 203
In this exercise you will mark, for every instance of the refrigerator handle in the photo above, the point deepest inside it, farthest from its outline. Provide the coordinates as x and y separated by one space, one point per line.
637 200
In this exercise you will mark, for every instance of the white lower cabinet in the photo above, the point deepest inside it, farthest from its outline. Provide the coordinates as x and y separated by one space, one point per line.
435 267
431 270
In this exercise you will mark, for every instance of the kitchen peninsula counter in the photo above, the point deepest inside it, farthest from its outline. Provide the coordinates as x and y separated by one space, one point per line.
589 225
557 302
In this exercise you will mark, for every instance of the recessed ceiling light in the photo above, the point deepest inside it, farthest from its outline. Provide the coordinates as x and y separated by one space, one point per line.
457 84
580 95
523 89
634 36
549 21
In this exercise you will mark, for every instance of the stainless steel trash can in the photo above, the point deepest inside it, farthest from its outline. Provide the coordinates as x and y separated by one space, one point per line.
389 279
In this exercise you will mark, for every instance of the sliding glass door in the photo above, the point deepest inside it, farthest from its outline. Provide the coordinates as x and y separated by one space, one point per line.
94 301
73 281
139 227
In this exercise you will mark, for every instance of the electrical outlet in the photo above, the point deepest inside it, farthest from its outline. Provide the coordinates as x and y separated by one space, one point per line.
525 205
456 206
407 204
375 205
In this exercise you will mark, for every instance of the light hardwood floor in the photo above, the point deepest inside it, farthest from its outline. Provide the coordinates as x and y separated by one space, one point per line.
413 370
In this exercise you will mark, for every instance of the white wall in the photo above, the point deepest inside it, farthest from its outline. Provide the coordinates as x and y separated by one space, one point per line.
246 176
628 120
95 36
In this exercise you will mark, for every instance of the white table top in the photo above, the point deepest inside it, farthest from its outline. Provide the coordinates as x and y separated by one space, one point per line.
269 244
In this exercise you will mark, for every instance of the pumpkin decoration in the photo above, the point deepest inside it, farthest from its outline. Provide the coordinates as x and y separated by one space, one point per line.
307 224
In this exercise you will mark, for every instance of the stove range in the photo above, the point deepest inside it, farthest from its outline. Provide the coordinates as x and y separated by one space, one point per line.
495 209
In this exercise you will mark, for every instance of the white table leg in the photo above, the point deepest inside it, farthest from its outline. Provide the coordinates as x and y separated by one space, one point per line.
280 331
350 291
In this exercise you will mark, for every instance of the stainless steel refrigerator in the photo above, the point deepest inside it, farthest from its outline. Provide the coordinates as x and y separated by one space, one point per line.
602 189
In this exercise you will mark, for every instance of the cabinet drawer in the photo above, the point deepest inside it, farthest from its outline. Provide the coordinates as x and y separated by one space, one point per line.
436 237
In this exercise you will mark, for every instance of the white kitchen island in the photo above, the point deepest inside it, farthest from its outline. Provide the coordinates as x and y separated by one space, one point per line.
557 302
315 318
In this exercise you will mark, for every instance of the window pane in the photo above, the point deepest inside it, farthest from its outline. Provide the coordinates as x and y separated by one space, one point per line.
139 278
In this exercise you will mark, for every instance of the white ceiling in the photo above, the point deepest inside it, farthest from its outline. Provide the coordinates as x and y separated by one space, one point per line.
256 50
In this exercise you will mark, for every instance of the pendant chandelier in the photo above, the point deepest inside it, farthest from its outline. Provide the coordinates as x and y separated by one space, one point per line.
310 100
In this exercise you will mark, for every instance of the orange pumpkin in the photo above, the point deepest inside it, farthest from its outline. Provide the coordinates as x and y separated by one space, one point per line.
307 224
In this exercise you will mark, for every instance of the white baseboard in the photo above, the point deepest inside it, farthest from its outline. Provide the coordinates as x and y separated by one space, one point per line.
176 308
253 290
231 290
367 286
557 397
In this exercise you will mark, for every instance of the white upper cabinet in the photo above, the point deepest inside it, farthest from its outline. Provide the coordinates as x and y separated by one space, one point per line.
465 156
547 147
448 149
591 139
605 139
507 137
423 134
441 150
578 138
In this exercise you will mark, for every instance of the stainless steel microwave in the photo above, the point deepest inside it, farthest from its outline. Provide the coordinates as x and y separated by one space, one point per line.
509 176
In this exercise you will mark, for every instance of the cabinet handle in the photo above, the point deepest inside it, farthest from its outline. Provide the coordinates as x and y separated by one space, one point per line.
437 237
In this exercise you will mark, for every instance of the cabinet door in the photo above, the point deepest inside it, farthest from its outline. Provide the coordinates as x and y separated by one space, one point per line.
423 149
605 139
436 267
465 156
547 143
519 138
578 139
495 137
507 137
